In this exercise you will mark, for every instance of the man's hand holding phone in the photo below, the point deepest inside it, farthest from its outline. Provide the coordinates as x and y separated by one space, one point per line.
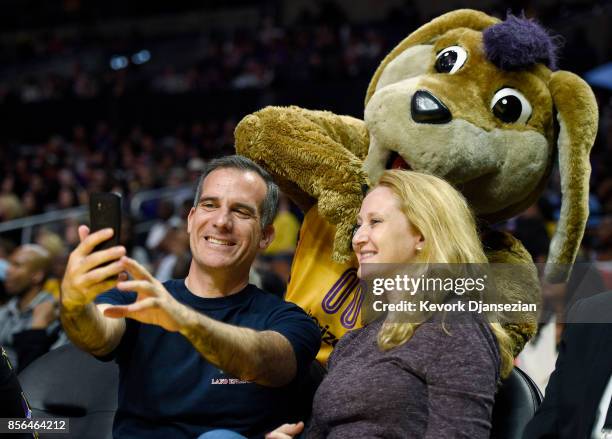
93 267
90 273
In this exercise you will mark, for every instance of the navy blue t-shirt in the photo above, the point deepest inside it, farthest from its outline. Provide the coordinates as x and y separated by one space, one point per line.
168 390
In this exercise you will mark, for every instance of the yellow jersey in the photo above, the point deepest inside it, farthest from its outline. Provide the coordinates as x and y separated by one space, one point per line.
328 291
286 228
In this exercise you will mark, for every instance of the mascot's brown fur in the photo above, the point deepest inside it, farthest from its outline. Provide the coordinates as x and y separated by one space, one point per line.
440 103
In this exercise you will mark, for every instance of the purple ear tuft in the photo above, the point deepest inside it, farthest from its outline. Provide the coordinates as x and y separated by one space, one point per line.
517 43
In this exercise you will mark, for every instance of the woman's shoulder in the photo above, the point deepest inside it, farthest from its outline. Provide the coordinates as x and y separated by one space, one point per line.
464 341
449 329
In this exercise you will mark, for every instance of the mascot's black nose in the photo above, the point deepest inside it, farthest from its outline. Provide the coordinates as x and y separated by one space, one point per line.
426 108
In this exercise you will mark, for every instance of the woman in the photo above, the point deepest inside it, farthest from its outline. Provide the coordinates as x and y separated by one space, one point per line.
429 378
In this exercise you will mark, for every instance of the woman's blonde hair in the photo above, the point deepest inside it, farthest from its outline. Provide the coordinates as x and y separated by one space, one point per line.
441 215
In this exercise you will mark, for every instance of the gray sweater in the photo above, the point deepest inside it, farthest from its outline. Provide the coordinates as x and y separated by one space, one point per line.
434 386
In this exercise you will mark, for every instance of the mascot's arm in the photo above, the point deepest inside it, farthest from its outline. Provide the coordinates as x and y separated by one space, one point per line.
516 279
314 156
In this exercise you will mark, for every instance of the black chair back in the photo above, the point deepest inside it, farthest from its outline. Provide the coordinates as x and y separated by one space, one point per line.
69 383
516 402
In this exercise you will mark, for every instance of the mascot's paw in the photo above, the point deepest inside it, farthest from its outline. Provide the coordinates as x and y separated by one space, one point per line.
520 333
516 280
341 209
247 137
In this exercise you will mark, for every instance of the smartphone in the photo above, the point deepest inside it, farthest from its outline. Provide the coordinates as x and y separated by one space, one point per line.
105 212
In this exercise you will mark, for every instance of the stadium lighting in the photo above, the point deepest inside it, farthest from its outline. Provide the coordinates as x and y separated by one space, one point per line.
118 62
141 57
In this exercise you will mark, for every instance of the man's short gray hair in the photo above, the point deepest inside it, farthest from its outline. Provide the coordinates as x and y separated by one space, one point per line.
269 207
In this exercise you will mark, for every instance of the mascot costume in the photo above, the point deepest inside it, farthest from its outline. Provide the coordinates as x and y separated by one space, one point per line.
467 97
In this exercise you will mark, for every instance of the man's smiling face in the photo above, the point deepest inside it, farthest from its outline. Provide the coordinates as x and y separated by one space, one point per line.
225 227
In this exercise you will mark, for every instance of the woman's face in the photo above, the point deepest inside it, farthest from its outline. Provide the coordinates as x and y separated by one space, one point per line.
384 234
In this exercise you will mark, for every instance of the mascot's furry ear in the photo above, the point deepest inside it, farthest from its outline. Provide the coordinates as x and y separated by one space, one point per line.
429 32
577 116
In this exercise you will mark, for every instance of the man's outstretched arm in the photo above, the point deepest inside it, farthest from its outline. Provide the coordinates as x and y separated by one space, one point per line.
265 357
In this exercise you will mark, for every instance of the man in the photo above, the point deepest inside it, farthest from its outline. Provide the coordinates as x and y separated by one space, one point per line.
577 402
28 321
206 352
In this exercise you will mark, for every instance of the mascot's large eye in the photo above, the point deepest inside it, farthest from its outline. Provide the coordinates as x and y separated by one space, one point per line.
510 106
450 59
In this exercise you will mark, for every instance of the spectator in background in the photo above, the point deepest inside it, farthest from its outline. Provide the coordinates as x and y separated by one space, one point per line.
165 211
286 227
278 256
603 250
577 402
66 198
530 229
69 233
11 208
175 247
59 256
129 241
195 167
29 323
6 248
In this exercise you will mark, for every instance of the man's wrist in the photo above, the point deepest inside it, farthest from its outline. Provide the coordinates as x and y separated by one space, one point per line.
69 310
188 320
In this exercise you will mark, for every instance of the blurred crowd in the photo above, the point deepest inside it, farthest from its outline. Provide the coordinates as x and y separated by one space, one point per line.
316 47
259 58
62 172
58 173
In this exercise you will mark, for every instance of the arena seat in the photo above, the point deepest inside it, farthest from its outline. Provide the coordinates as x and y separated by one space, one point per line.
69 383
516 402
